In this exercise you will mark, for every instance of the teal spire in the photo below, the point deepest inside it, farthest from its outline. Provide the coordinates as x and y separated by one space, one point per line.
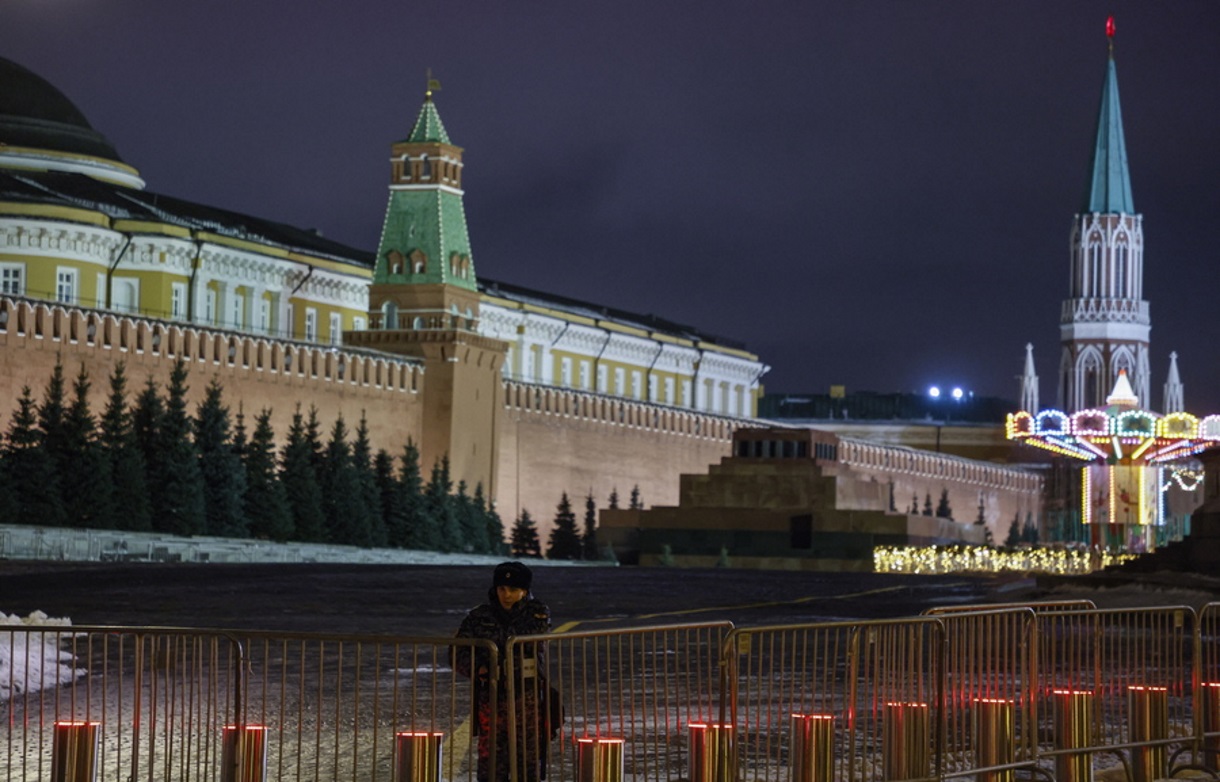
428 125
1109 190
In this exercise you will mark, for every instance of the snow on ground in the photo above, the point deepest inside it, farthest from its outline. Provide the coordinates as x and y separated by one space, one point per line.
33 661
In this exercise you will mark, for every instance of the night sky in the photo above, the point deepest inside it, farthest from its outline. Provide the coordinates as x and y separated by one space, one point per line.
873 194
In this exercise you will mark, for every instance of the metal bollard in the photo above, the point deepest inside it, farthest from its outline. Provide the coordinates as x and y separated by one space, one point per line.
1148 720
812 753
994 738
244 754
1211 722
417 756
711 752
1073 730
906 753
74 751
599 760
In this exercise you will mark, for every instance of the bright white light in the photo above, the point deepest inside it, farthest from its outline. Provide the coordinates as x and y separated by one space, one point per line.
934 392
957 393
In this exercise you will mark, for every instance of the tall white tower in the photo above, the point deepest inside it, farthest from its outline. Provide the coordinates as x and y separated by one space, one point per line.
1104 325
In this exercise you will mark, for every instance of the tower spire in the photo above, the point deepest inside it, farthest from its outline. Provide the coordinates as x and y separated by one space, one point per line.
1029 382
1174 390
1104 325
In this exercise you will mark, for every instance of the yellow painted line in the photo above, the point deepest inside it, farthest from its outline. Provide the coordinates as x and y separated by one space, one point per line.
568 626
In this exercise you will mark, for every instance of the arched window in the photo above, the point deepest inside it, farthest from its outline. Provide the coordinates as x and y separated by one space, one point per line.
389 315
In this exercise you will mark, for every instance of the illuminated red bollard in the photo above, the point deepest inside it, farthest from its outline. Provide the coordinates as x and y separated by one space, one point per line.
74 751
599 760
1211 721
711 752
1073 730
812 753
417 756
244 754
905 741
1148 721
994 738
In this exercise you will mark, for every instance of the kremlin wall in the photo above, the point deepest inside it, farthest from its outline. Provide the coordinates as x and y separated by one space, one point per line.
527 394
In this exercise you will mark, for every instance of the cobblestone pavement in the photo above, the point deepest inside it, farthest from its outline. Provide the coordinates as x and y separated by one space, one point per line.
430 600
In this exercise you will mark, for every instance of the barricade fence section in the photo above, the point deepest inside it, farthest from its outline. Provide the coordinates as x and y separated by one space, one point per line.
176 704
991 692
1116 681
1207 689
851 701
643 687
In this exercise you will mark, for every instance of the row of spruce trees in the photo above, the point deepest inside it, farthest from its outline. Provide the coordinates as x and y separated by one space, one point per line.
149 465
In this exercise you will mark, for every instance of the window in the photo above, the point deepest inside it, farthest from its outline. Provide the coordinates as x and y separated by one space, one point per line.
177 300
619 381
65 286
565 372
601 379
237 309
311 324
264 315
12 279
637 385
100 298
669 390
359 323
290 324
584 375
336 328
209 307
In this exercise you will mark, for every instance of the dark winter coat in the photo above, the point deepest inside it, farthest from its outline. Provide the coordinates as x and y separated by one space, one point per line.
530 616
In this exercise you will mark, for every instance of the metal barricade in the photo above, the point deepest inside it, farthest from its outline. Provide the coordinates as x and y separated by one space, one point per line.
1207 693
1116 685
189 705
642 685
989 704
872 688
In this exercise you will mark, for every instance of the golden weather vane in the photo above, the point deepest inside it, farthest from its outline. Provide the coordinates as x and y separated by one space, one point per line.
433 85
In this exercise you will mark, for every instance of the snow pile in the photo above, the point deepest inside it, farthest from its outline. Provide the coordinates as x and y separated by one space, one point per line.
30 659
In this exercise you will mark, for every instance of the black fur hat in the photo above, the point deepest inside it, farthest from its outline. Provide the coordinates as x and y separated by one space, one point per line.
512 574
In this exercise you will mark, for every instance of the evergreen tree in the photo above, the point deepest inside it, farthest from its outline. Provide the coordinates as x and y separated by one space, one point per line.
981 518
366 480
241 441
129 486
29 470
893 507
146 418
439 506
914 505
343 500
564 541
392 521
300 480
927 505
52 427
224 474
493 527
1014 533
177 488
90 500
419 530
612 500
524 542
469 521
588 540
636 503
268 510
943 509
1029 532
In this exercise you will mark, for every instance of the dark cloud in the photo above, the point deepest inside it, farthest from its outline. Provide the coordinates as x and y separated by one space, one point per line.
872 193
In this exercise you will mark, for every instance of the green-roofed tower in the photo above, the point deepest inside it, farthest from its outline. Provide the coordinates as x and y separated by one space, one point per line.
424 302
1104 324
